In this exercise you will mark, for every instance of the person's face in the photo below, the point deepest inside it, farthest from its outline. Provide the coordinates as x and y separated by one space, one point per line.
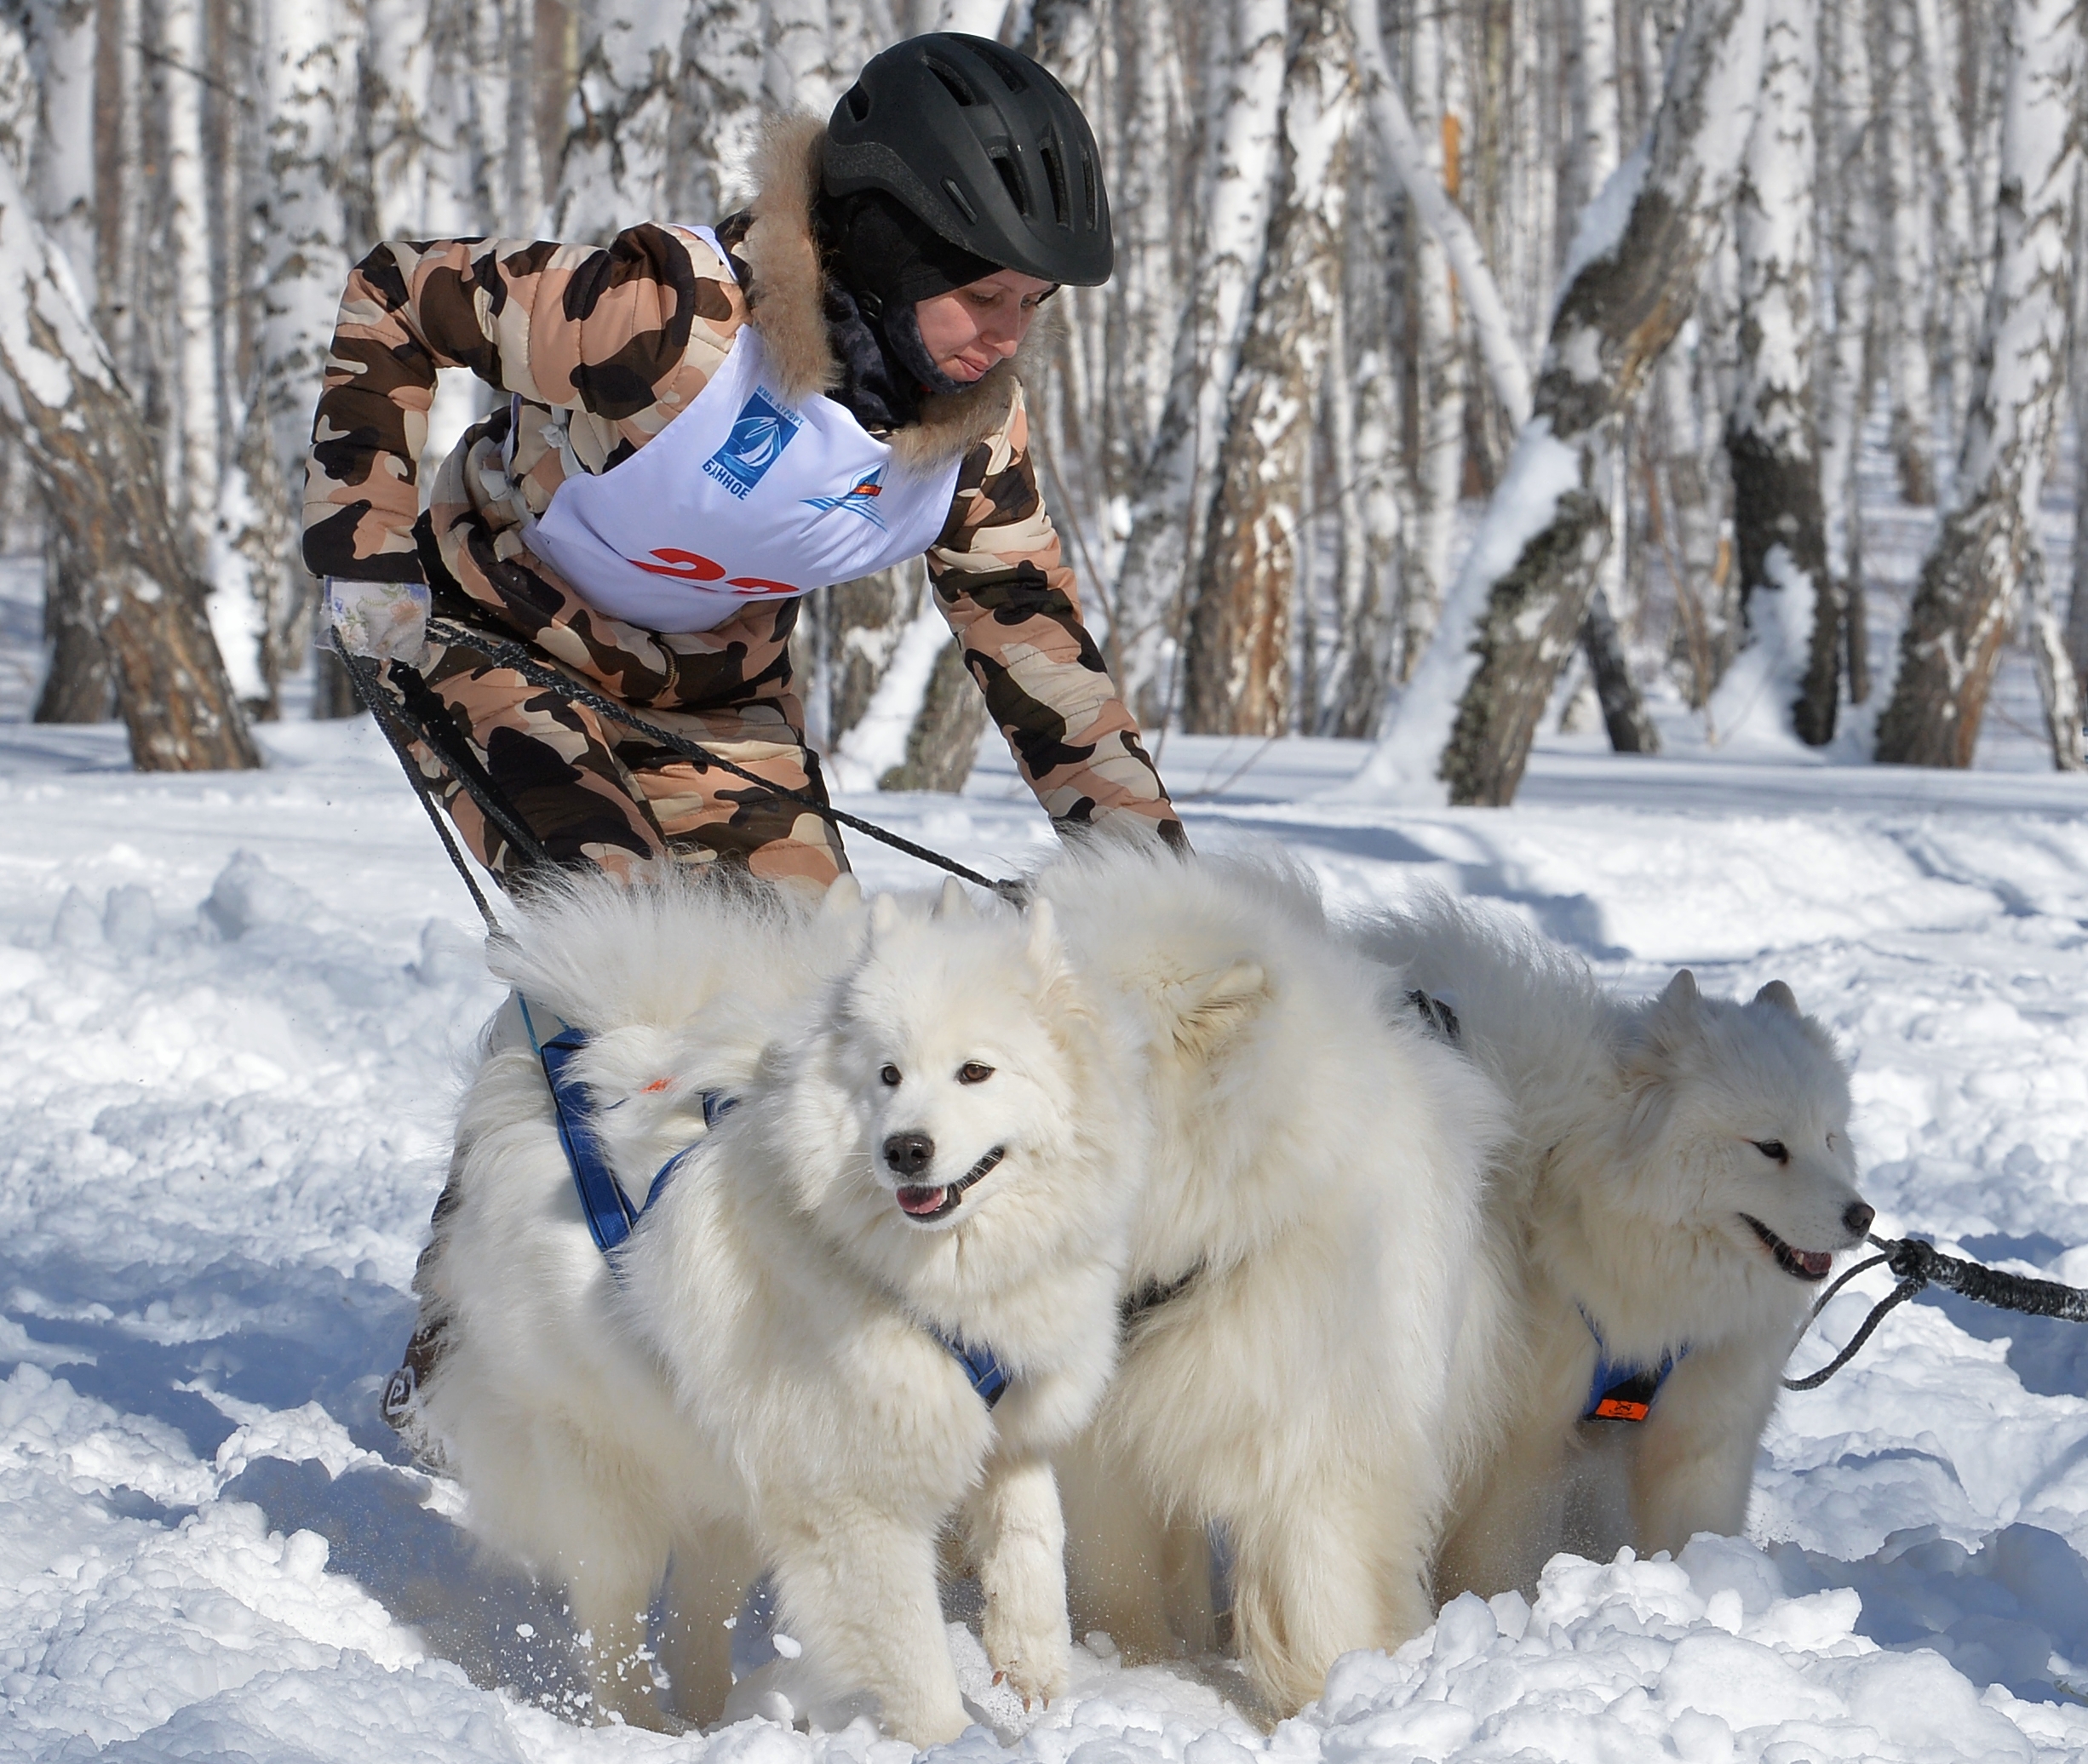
972 329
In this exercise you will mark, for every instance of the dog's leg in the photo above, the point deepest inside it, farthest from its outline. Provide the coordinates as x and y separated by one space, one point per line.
710 1574
1694 1463
1187 1592
610 1591
1317 1575
1019 1541
1511 1526
857 1589
1117 1556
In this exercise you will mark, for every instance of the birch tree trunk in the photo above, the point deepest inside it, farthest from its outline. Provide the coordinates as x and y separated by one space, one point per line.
1772 435
1908 260
1526 583
1952 642
77 685
1848 175
62 403
2076 601
1236 671
1438 382
1176 485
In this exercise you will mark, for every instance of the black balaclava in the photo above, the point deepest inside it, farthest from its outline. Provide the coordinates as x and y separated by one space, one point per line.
880 258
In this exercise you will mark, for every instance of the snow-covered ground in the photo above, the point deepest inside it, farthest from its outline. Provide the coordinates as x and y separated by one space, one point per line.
233 1015
232 1011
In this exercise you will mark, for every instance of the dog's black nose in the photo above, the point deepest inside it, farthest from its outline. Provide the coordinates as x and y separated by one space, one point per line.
1858 1218
908 1153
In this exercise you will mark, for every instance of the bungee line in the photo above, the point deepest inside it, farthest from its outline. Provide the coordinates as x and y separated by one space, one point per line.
1918 1264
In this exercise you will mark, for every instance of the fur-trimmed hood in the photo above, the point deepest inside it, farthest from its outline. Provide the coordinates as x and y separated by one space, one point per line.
786 308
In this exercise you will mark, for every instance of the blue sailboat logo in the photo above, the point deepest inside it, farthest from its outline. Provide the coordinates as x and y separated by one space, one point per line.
760 432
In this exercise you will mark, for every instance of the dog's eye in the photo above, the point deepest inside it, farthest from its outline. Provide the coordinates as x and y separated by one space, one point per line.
971 1072
890 1074
1774 1148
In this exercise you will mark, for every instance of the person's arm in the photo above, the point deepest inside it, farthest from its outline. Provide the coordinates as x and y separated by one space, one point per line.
619 332
1009 596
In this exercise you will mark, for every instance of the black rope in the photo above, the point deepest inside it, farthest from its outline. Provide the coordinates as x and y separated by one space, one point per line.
1917 1263
513 656
383 713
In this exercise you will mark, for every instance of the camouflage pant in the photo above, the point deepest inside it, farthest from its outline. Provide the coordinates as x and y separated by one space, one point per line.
590 791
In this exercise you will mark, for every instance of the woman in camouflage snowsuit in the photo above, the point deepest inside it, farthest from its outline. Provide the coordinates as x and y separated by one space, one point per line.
592 518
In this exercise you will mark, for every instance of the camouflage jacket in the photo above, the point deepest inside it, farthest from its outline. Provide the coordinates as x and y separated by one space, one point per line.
602 347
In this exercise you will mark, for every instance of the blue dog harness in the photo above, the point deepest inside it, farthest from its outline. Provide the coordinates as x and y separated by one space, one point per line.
1620 1390
608 1210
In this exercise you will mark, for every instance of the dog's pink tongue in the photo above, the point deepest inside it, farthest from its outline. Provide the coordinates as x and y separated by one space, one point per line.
916 1199
1815 1263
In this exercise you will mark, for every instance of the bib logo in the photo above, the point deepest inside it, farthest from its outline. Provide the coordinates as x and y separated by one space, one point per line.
759 433
861 500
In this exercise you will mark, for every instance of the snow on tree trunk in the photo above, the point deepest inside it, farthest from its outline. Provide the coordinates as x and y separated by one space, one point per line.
61 402
1245 89
1772 436
1525 585
1909 271
63 50
1952 640
1848 172
1237 672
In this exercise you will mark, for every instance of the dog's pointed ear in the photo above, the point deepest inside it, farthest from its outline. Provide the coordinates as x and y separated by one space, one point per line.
1777 993
1210 1007
953 902
1681 995
884 914
843 894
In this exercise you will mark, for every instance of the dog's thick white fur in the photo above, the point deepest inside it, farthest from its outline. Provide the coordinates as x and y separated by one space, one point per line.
761 1388
1680 1175
1315 1195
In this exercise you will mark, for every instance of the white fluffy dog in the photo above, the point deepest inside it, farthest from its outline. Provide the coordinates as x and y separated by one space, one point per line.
935 1145
1680 1180
1300 1270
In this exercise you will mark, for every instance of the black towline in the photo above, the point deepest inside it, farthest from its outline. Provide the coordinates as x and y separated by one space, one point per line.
1915 1263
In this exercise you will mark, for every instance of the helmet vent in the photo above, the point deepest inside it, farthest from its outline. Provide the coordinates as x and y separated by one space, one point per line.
1054 170
1012 179
960 88
858 103
955 190
1010 76
1088 187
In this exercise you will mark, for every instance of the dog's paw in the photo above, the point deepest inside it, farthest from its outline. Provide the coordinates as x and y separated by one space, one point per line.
1033 1659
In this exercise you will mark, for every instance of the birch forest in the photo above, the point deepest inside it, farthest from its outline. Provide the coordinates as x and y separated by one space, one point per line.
1468 363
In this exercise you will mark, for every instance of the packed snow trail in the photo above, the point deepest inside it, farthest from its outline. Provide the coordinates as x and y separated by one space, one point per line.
233 1014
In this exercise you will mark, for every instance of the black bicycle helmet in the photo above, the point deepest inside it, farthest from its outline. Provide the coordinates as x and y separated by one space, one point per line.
983 145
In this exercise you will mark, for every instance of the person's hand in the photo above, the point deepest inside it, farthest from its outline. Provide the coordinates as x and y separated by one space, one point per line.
384 620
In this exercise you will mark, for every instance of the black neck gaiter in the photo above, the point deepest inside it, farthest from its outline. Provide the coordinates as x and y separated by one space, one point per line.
880 259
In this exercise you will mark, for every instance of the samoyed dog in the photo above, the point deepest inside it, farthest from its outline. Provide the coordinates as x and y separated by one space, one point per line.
1299 1292
1680 1180
931 1150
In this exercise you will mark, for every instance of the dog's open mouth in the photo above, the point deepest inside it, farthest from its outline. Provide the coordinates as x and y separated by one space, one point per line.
918 1201
1800 1264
